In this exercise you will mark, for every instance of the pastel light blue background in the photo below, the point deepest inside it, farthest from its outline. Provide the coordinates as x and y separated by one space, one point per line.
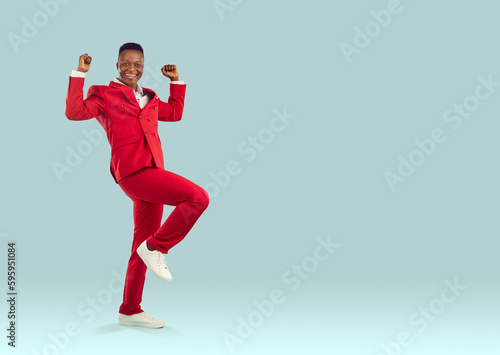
323 174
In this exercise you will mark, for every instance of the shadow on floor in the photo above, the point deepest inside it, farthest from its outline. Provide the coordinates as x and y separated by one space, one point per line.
115 327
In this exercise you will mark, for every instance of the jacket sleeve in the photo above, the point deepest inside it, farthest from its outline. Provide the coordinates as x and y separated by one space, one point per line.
172 110
77 108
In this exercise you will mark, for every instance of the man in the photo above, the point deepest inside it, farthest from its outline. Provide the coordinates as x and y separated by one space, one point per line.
129 114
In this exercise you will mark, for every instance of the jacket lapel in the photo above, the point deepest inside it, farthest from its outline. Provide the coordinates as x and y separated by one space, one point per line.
126 90
152 96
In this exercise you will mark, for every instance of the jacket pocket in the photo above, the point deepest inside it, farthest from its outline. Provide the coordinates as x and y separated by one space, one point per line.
124 141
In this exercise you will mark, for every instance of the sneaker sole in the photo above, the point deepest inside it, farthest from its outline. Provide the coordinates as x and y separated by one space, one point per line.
133 324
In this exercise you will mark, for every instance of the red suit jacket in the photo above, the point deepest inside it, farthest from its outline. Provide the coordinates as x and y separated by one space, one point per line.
132 132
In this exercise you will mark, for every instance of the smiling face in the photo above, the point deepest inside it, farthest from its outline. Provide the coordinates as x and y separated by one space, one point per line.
130 66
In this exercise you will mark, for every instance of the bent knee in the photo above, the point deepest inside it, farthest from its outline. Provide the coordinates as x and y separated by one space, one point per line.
201 198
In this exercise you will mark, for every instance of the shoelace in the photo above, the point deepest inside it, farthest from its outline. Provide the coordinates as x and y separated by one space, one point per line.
160 259
147 316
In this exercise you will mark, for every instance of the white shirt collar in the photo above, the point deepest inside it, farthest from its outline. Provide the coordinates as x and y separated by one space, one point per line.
139 89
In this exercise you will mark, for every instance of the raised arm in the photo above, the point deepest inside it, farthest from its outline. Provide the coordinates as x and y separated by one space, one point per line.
172 110
77 108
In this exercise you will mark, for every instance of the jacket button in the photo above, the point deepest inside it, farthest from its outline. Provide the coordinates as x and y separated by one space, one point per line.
140 116
145 131
122 105
149 119
154 134
155 107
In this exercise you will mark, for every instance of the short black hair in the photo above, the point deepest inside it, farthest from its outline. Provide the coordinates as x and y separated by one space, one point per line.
131 45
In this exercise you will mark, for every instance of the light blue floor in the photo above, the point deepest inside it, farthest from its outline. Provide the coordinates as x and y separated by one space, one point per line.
316 318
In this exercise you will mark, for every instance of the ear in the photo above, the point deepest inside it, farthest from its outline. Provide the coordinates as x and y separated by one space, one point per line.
116 65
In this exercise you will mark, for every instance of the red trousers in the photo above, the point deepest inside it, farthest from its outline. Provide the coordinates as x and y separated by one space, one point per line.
150 188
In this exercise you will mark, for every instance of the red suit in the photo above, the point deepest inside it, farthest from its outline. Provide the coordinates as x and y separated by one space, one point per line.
132 132
137 166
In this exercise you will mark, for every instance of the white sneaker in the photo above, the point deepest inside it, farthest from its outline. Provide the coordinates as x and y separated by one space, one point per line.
141 320
154 261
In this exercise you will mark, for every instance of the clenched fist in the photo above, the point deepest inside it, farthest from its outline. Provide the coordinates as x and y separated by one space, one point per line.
170 71
84 63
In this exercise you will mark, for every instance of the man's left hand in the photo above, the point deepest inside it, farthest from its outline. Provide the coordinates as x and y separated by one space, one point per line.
170 71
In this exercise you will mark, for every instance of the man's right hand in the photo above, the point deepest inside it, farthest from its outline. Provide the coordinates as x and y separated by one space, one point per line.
84 63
